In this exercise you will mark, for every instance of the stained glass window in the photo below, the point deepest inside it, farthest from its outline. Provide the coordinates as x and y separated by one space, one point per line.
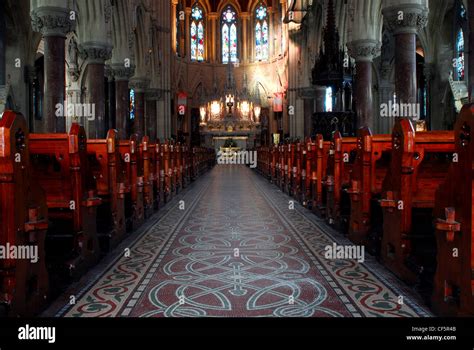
460 55
229 35
328 105
132 104
261 33
197 34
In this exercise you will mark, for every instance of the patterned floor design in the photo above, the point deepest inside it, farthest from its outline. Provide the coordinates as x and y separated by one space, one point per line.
236 249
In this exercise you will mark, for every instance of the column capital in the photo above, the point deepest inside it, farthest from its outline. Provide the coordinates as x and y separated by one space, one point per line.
52 21
245 15
213 15
152 94
122 73
364 50
139 84
405 18
95 52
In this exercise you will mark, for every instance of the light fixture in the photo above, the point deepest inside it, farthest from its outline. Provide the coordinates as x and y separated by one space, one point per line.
203 113
257 110
215 108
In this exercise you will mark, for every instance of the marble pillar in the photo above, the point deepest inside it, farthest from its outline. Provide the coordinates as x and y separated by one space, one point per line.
151 120
95 55
122 75
110 122
53 23
364 51
470 50
139 85
404 21
3 46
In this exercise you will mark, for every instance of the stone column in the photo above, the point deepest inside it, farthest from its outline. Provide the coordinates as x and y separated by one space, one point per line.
54 24
187 34
404 21
470 50
122 75
245 37
174 37
151 98
139 85
95 54
213 32
364 51
3 46
320 97
110 124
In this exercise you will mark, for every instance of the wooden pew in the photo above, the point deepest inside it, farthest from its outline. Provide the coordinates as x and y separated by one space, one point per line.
104 162
319 176
156 158
274 164
342 155
453 213
419 164
59 163
172 168
23 222
296 171
281 165
146 169
369 170
168 172
133 183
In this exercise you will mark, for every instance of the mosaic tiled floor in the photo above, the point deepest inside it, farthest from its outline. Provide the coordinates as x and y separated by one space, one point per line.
237 250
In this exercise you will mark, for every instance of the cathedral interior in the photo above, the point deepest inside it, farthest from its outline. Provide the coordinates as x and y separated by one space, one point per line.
121 193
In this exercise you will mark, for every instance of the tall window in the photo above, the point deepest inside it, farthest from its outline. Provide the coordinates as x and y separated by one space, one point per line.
460 55
229 35
459 65
261 33
197 34
132 104
328 103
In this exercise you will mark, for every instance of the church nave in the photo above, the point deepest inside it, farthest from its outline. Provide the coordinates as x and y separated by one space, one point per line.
231 247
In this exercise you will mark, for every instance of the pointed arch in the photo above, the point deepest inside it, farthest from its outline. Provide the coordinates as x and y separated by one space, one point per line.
261 32
229 35
197 33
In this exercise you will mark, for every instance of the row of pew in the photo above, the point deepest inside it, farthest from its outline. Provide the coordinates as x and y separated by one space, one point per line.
76 199
408 197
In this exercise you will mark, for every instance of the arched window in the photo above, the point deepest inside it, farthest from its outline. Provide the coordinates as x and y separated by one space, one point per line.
197 34
229 35
460 55
459 65
132 104
328 106
261 33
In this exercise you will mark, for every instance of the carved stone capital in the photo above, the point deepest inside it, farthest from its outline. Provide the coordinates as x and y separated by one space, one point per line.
364 50
405 18
153 94
139 84
122 73
52 21
94 52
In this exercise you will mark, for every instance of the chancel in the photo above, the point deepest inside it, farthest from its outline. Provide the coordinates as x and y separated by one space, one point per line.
308 158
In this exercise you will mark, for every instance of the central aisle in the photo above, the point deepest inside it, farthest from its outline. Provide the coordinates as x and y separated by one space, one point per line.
232 247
